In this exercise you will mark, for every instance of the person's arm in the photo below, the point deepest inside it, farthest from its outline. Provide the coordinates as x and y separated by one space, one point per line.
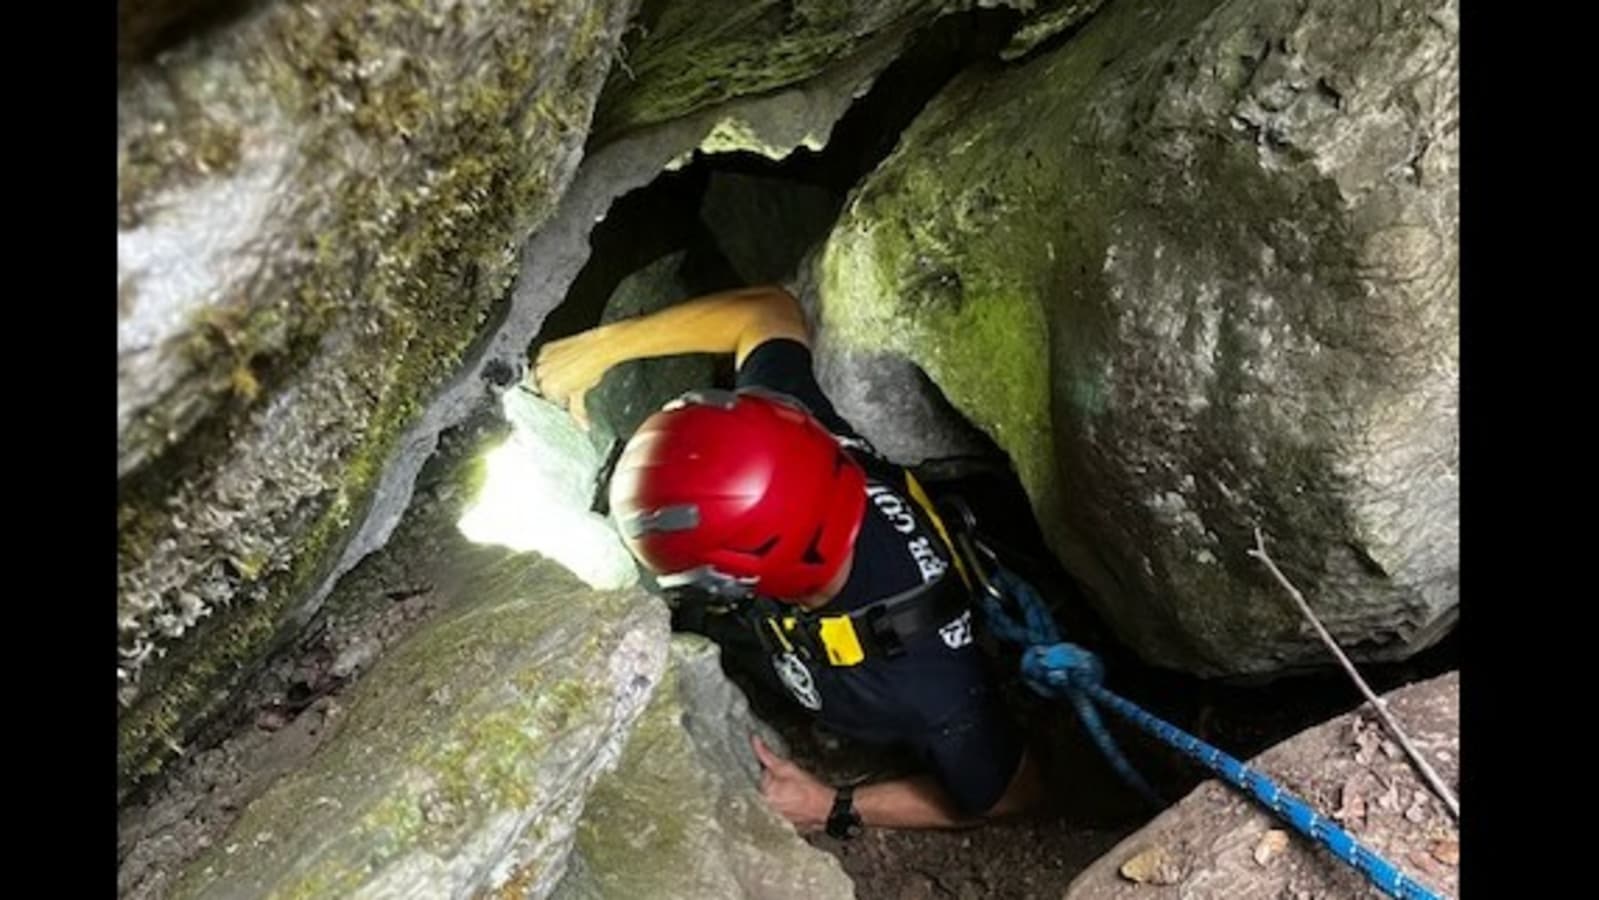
918 802
734 322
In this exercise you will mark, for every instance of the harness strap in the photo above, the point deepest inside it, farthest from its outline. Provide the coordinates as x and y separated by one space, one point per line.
892 622
878 629
920 496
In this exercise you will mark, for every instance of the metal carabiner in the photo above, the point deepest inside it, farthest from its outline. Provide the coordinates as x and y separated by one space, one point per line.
971 547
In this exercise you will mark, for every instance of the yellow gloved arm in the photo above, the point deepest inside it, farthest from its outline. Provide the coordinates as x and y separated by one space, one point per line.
734 322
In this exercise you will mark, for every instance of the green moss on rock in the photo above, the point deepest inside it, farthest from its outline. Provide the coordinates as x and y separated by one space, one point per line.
461 750
681 816
428 140
684 55
1155 264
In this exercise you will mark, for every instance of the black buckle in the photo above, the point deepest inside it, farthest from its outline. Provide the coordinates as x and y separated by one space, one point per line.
884 640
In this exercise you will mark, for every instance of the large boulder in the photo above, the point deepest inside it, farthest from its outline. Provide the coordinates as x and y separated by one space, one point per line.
681 56
465 754
318 209
765 225
1218 842
884 394
1049 21
1196 270
681 817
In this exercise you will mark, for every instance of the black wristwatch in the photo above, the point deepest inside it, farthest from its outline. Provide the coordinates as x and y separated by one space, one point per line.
844 822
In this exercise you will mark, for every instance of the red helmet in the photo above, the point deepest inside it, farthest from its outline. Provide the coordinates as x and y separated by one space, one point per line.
738 493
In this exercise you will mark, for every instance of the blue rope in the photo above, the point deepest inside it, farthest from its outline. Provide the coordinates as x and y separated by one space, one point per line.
1054 668
1045 665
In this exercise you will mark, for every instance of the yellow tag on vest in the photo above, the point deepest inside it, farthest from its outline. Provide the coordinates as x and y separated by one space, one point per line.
838 636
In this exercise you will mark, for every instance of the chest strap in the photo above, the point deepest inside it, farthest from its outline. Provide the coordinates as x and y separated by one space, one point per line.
879 629
919 495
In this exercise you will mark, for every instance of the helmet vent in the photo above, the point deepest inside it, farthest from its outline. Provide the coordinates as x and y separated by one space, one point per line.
669 518
812 556
763 549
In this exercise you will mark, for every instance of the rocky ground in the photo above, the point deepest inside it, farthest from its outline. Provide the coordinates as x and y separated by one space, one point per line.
1217 843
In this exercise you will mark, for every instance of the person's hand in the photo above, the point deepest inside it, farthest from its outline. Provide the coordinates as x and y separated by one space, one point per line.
567 369
794 793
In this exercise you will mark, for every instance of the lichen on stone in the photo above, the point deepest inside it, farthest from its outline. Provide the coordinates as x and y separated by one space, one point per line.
1184 255
418 170
680 56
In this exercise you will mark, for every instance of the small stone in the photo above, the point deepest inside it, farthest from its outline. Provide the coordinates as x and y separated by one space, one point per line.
1271 844
1417 812
1424 863
1352 804
1391 750
1446 852
1153 865
1367 743
270 720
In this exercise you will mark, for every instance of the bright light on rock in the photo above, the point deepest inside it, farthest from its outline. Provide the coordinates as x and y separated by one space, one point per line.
536 495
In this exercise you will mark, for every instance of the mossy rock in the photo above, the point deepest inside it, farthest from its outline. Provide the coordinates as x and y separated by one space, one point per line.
685 55
462 758
1196 270
682 817
318 214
